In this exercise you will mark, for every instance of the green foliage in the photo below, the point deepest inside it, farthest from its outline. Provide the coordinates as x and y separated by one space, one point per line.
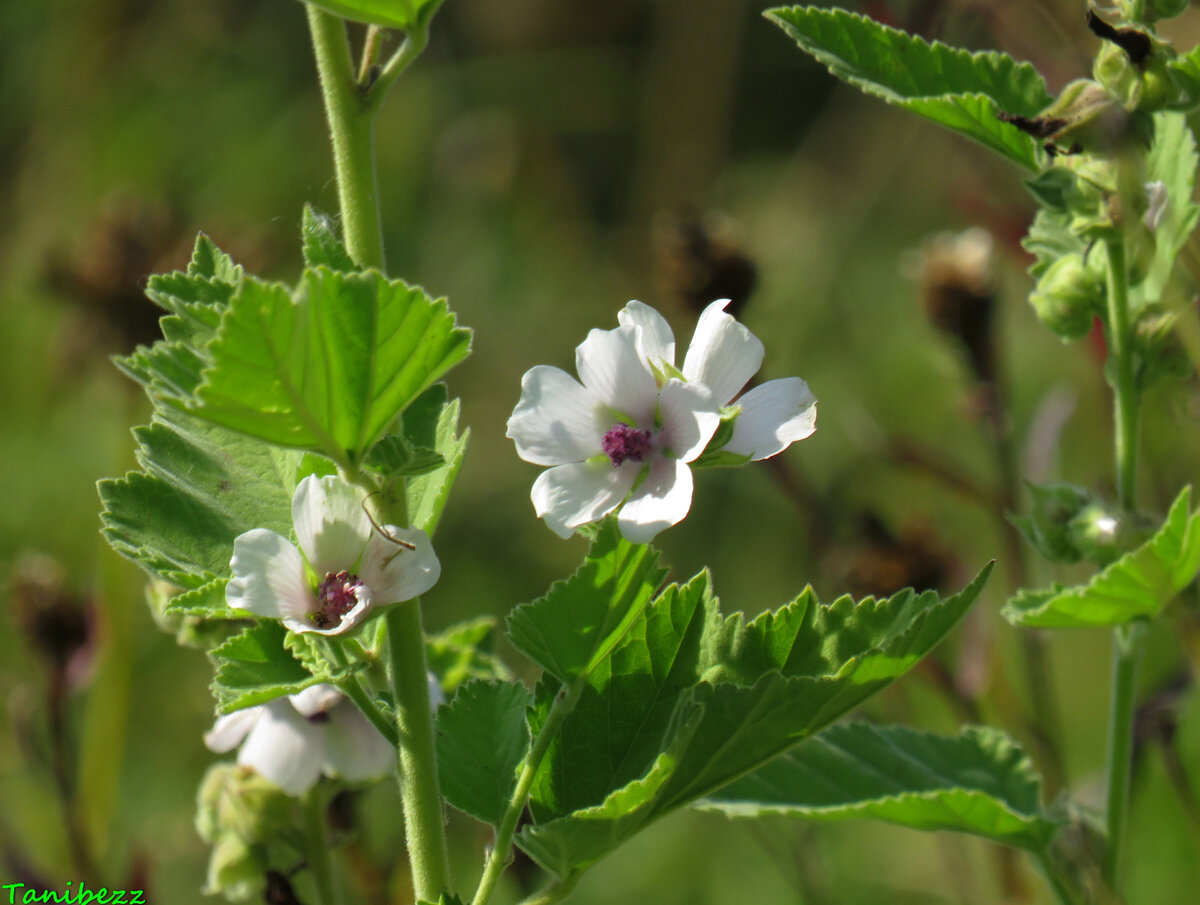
329 367
402 14
581 619
257 666
482 738
686 701
321 245
1172 161
463 652
1136 586
963 91
199 488
979 782
1047 527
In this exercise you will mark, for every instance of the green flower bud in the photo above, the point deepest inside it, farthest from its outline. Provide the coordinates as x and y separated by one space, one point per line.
1148 86
237 870
1096 532
235 801
1067 297
1156 10
1048 525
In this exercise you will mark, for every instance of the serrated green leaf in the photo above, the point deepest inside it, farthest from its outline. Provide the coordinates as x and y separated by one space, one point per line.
1050 238
980 782
1185 69
204 602
960 90
402 14
321 245
200 487
1136 586
330 367
209 262
255 667
581 619
1172 160
428 492
482 739
411 451
463 652
691 701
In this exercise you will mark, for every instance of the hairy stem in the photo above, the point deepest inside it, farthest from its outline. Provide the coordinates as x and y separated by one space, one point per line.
317 841
1126 639
351 127
497 857
1061 893
424 825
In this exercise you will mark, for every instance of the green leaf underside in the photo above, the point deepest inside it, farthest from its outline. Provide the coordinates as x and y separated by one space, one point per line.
255 667
688 701
979 782
330 368
960 90
482 739
1138 585
199 488
464 651
321 245
402 14
580 619
1186 69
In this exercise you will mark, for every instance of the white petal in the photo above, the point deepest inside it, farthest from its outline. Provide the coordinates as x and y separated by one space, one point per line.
285 748
557 420
316 699
268 577
572 495
655 341
690 417
229 730
395 573
354 749
610 365
723 355
774 416
437 697
352 617
331 525
661 501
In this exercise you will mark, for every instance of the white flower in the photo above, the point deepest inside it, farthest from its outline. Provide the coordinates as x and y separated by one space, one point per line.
621 426
344 566
723 356
292 741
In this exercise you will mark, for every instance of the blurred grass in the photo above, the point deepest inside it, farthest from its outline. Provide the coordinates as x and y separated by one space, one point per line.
525 162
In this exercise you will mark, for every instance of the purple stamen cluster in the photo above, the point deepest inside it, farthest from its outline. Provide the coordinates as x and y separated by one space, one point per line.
335 598
623 443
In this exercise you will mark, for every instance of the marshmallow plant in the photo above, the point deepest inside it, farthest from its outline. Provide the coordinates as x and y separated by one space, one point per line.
304 446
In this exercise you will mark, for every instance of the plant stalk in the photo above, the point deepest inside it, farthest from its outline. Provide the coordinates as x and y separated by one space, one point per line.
1061 893
497 857
317 842
424 823
1126 639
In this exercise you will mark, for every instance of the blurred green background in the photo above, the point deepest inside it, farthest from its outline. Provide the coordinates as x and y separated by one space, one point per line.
544 162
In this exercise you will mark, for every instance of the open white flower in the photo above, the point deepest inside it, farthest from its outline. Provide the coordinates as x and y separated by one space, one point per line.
292 741
723 356
343 568
622 434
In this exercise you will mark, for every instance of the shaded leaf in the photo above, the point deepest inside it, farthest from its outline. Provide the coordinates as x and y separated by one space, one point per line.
464 651
255 667
980 782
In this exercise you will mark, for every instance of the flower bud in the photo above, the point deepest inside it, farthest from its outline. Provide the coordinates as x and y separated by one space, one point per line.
1068 296
236 870
1048 525
1148 86
235 801
1154 10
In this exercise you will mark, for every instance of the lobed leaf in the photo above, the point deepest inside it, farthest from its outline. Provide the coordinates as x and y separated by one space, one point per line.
255 667
482 739
1136 586
963 91
1172 160
980 782
321 245
463 652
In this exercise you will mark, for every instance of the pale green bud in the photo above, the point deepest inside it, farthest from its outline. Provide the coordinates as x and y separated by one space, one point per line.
1068 296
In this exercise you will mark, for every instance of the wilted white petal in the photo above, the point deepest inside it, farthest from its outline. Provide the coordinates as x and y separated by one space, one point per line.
773 416
690 417
316 699
568 496
723 355
351 618
229 730
655 341
393 572
331 525
610 365
285 748
354 749
661 501
556 421
268 577
1158 203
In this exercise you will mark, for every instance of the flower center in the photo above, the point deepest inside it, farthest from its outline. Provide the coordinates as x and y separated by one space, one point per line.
623 443
335 598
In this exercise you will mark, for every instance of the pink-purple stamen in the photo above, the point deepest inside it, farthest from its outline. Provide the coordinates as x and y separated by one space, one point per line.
335 598
624 444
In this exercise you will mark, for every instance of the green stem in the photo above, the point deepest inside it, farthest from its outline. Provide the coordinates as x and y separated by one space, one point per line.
1126 639
351 125
355 689
317 839
497 857
1061 893
424 825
